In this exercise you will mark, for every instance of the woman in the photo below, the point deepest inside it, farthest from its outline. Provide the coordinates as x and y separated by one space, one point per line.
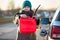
27 11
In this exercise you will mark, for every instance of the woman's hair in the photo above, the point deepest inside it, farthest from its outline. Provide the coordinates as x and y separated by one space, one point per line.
32 12
28 13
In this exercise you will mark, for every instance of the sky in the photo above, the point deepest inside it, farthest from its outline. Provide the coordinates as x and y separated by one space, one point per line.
45 4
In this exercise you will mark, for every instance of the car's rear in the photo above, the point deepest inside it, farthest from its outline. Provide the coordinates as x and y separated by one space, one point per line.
55 26
55 32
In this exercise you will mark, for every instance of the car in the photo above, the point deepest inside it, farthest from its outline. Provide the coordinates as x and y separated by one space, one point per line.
54 29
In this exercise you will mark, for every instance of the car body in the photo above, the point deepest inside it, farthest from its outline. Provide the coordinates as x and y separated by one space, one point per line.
54 29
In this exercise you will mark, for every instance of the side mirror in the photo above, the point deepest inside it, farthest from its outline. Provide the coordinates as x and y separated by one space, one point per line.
43 32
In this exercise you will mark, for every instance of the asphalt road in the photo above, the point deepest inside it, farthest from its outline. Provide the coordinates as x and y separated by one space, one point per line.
8 31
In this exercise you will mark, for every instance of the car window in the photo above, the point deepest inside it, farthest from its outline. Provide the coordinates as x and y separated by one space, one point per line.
58 17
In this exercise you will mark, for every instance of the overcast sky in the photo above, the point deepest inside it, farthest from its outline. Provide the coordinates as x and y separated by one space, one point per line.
45 4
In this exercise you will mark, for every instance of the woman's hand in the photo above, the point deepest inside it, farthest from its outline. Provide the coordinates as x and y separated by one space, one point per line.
23 15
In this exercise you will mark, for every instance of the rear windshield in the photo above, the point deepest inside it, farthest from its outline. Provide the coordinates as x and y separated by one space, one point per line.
58 17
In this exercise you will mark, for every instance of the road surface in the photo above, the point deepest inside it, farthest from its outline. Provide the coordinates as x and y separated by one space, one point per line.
8 31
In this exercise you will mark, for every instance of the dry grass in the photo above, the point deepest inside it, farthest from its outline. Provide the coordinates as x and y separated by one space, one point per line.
3 20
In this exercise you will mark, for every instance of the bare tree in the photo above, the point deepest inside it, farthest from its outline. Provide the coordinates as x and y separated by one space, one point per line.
0 12
11 4
11 7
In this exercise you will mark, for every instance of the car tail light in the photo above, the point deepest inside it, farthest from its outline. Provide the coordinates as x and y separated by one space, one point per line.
55 32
